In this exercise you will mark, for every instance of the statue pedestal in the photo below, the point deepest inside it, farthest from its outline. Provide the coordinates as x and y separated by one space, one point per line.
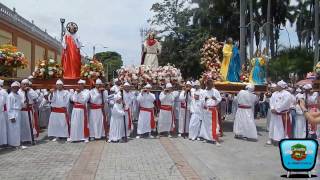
51 83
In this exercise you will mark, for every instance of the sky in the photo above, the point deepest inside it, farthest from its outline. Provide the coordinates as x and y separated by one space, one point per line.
111 23
105 23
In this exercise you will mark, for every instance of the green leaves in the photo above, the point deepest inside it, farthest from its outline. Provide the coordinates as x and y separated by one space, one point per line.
111 62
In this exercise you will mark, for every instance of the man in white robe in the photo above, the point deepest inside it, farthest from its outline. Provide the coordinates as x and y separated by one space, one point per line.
166 122
44 110
79 118
184 117
128 98
210 123
28 109
146 121
116 122
244 125
97 119
197 88
59 121
196 109
300 124
268 96
116 87
280 124
14 105
3 114
313 106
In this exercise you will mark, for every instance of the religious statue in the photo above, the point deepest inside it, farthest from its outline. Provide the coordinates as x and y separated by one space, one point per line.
258 72
151 50
71 57
231 65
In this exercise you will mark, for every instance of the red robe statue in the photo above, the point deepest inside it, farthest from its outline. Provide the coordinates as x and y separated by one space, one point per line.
71 57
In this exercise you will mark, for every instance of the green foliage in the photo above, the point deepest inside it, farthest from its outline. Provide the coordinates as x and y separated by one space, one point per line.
111 62
295 60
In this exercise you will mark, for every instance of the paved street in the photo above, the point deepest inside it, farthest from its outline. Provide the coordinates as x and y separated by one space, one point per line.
163 158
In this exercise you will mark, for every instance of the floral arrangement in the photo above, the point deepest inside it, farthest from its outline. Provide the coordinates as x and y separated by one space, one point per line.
92 70
244 76
11 58
317 69
145 74
47 69
211 55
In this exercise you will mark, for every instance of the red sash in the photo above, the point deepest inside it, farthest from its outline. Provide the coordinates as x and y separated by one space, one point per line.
183 105
62 110
214 112
285 115
85 113
244 106
5 108
35 118
169 108
96 106
152 121
129 118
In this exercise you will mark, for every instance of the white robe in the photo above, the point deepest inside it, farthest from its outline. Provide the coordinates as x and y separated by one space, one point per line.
116 122
206 126
128 98
279 101
58 126
3 116
300 125
14 105
78 116
152 52
244 124
166 118
96 115
144 122
44 113
197 109
184 119
24 123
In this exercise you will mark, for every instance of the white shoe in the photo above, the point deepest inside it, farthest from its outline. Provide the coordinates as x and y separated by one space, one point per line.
269 142
217 143
179 135
68 139
23 147
151 136
138 137
193 139
169 136
109 141
54 140
198 139
86 141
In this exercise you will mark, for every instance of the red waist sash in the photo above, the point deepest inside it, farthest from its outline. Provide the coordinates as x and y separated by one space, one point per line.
129 118
151 111
5 108
214 112
96 106
85 113
64 111
244 106
183 105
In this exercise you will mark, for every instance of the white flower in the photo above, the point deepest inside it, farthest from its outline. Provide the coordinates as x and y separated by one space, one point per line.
98 74
86 74
50 73
51 61
50 68
42 70
91 72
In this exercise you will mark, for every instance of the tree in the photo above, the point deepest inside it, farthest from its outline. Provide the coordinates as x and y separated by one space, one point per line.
111 62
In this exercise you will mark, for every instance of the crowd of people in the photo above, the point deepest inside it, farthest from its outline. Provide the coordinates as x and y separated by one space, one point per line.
111 112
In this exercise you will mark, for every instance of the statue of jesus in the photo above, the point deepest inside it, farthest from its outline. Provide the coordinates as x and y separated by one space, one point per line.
151 50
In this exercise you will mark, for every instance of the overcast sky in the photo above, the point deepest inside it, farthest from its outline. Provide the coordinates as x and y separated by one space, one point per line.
111 23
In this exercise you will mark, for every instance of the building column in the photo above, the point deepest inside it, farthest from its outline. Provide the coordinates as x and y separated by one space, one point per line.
33 52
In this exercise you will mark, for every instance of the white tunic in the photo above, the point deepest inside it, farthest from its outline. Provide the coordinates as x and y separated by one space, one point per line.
96 115
279 101
24 123
128 98
300 125
196 109
166 115
152 52
116 122
244 124
14 105
144 122
58 126
78 116
206 126
3 116
184 119
44 113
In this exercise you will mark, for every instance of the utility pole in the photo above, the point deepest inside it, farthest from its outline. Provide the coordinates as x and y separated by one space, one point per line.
62 21
316 31
243 31
94 51
268 26
251 30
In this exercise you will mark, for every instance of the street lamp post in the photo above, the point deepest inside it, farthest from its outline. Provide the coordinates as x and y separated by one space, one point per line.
62 21
94 48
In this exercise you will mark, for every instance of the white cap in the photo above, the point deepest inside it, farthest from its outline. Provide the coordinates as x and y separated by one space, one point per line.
298 90
116 80
188 83
126 84
250 87
25 81
197 83
99 82
1 82
59 82
273 85
307 86
282 84
197 93
81 81
71 90
15 84
148 86
168 85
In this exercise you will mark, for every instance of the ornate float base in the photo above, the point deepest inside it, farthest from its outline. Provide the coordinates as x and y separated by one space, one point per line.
51 83
230 87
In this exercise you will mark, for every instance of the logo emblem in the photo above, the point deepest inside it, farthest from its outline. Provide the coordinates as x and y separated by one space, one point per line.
299 152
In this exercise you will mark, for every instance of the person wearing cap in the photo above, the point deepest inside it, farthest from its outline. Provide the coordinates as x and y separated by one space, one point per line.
3 114
128 99
146 120
59 121
28 108
14 105
116 121
196 109
210 126
280 124
96 116
79 130
116 87
300 121
166 121
244 125
185 98
197 88
312 105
